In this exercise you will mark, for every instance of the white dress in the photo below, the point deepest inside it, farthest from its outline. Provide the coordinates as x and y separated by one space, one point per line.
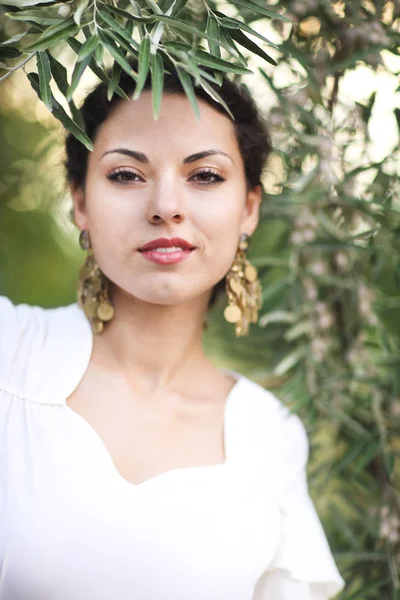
72 528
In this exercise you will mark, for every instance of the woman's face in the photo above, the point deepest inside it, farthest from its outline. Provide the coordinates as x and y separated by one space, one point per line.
172 178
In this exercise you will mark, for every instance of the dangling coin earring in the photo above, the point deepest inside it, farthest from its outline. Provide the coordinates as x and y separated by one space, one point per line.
244 290
93 289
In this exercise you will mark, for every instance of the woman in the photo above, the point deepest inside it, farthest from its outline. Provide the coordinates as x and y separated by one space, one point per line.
131 467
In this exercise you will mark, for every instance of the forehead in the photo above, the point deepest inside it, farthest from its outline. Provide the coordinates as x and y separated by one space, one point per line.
177 126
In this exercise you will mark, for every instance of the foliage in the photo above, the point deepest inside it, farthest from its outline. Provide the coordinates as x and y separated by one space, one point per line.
165 34
328 247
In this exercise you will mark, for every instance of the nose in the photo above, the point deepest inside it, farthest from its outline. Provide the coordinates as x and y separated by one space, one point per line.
167 202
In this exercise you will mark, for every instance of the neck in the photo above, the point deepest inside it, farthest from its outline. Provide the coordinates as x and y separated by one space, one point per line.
155 344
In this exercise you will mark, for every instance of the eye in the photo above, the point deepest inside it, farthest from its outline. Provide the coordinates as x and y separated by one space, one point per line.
208 176
123 176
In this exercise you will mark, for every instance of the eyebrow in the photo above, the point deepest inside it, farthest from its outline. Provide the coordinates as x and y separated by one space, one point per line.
139 156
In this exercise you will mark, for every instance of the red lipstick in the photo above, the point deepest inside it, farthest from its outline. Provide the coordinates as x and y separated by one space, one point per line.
164 251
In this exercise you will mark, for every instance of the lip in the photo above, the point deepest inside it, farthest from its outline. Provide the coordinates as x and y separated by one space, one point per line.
166 243
149 252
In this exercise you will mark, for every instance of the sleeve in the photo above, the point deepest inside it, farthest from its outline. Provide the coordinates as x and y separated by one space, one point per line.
43 352
14 325
303 567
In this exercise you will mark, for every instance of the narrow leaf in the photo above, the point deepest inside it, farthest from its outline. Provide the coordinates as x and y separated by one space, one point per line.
202 57
227 38
43 67
78 71
23 3
39 15
154 6
59 73
116 53
212 29
290 361
144 64
123 13
82 6
60 76
183 26
9 52
130 48
54 35
231 23
138 13
111 22
260 9
178 6
13 39
244 41
187 85
157 82
95 67
215 96
62 116
88 47
114 81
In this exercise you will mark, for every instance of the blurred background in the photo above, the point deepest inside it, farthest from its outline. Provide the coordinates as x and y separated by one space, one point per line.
327 249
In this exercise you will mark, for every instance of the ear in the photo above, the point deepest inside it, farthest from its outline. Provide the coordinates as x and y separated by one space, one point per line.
251 211
79 207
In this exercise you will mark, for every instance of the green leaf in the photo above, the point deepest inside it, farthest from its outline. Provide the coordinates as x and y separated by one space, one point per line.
231 23
244 41
183 26
129 48
138 13
187 85
82 6
43 66
54 35
277 316
62 116
24 3
117 70
114 81
154 6
95 67
9 52
111 22
178 6
260 10
15 38
389 464
116 53
227 39
211 91
290 361
39 15
60 76
59 73
157 82
144 65
88 47
202 57
212 29
78 71
126 14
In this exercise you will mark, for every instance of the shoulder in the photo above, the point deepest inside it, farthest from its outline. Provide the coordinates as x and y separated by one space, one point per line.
39 345
265 408
274 433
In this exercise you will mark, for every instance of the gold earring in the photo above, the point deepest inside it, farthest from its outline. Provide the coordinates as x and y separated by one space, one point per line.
93 288
244 290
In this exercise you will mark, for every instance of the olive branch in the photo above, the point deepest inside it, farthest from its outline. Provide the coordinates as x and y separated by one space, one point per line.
154 35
